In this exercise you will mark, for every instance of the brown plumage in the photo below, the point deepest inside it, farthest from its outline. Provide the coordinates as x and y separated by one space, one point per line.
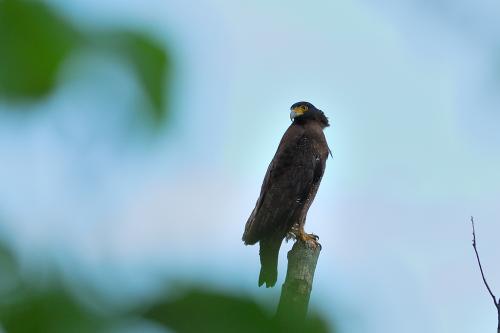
290 185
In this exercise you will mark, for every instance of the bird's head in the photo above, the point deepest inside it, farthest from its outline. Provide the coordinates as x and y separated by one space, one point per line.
302 112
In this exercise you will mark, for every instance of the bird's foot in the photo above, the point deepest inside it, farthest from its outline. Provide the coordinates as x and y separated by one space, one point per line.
310 240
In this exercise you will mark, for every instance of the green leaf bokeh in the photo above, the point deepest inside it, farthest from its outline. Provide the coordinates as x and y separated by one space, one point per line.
35 42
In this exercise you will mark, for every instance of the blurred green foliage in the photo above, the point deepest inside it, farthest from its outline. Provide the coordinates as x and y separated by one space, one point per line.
198 310
25 308
35 42
49 311
149 62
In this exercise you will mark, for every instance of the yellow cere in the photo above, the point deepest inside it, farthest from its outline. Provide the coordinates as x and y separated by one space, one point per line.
299 110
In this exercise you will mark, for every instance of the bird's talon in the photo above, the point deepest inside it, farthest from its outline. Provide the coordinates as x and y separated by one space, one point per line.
311 240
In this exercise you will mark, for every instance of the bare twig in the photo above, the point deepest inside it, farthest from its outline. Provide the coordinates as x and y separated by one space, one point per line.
495 301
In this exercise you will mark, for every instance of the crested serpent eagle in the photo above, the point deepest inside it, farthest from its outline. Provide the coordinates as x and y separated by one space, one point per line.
290 185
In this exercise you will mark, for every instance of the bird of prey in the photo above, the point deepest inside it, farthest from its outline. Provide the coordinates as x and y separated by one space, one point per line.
290 185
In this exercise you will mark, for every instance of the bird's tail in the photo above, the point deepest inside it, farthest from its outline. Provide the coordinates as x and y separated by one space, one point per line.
269 250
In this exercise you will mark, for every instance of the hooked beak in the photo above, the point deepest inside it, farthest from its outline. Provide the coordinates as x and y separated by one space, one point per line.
295 112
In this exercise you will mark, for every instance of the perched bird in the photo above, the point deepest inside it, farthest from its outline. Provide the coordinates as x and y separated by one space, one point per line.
290 185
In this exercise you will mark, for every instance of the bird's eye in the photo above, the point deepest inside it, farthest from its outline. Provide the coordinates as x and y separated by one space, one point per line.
303 107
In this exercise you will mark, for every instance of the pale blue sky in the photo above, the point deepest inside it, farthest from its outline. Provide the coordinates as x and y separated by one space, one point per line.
412 94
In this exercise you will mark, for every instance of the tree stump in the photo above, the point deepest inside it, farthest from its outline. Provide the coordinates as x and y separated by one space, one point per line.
296 290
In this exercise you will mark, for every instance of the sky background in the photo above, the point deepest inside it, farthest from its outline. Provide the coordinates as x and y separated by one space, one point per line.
412 92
